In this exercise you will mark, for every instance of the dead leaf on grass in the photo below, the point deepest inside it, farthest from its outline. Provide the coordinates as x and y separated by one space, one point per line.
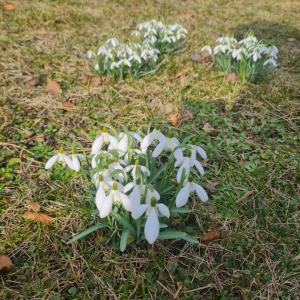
211 186
68 104
211 235
34 206
53 87
33 82
187 115
231 77
201 58
8 7
93 81
6 263
38 217
175 119
292 39
209 129
245 196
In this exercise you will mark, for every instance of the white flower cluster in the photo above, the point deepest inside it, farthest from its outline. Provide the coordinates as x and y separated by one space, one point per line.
248 55
126 171
165 37
136 59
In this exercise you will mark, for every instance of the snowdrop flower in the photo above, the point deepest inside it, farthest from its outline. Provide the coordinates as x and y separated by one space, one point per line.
190 187
137 189
115 196
114 65
153 210
96 67
137 170
120 145
103 139
150 138
102 178
75 161
166 143
271 61
64 159
90 54
208 49
186 163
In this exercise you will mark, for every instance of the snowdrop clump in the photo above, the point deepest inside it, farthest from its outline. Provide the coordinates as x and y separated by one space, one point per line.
141 57
164 37
141 181
249 57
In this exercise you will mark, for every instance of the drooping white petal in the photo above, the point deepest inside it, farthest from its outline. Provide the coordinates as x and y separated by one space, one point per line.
129 186
100 197
199 167
178 154
51 162
159 148
201 152
139 210
125 201
152 226
68 161
163 209
201 193
97 145
183 196
106 206
75 160
145 170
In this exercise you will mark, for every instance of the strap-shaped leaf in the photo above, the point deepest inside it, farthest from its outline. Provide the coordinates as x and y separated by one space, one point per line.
180 210
123 240
175 234
87 232
124 222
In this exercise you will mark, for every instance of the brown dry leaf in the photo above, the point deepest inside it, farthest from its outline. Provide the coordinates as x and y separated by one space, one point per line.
211 235
33 82
211 186
95 81
38 217
187 115
205 58
208 128
196 57
245 196
291 39
175 119
34 206
8 7
6 263
39 138
182 74
53 87
68 104
231 77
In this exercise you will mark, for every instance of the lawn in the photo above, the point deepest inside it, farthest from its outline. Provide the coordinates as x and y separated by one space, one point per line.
252 142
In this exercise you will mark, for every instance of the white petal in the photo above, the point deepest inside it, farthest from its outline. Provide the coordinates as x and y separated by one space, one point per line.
147 141
76 163
200 192
51 162
97 145
145 170
139 210
201 152
68 161
183 196
159 148
129 186
125 201
199 167
135 196
152 227
123 144
163 209
178 154
106 207
100 197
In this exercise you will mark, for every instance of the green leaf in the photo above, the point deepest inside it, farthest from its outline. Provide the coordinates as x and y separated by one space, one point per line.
174 234
87 232
180 210
124 222
123 240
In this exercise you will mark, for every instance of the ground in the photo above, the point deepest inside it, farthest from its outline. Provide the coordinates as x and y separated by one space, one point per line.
252 170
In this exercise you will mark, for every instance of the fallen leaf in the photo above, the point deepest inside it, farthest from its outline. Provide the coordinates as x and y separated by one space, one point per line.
68 104
231 77
34 206
203 57
211 186
209 129
8 7
39 138
211 235
6 263
175 119
93 81
196 57
53 87
38 217
182 74
291 39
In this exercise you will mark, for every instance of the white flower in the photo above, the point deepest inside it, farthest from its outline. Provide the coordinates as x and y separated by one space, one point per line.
75 161
208 49
150 138
90 54
166 143
271 61
115 196
103 139
137 189
120 145
101 178
136 170
184 193
114 65
64 159
152 210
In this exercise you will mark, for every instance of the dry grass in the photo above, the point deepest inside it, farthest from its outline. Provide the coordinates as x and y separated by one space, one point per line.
254 158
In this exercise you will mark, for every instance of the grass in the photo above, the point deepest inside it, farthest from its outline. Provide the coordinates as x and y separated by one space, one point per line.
253 158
